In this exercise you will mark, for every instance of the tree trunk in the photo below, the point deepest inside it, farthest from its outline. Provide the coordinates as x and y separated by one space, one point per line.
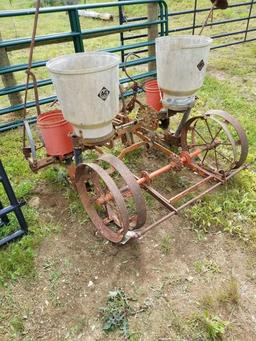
8 78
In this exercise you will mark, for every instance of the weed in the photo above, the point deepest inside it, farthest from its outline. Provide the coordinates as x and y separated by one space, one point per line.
24 189
165 244
206 265
115 313
55 175
76 208
51 175
232 209
55 276
48 264
10 227
208 301
213 326
17 325
134 159
148 199
178 324
230 292
252 236
182 182
77 328
117 149
135 337
17 259
131 206
90 156
227 294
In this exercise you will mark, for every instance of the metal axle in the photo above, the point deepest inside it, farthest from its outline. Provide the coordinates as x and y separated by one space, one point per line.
185 158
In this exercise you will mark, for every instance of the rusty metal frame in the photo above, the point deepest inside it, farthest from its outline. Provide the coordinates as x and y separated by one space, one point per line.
168 203
142 231
112 198
176 162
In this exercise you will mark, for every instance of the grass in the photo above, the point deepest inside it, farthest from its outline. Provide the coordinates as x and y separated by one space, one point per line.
179 326
206 265
202 325
17 259
79 325
228 294
166 244
17 325
231 209
76 209
212 326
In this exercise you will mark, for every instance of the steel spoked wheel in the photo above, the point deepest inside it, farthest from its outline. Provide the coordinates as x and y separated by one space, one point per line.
138 218
106 203
221 139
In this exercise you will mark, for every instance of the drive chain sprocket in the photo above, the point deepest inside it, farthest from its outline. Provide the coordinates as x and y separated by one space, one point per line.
148 116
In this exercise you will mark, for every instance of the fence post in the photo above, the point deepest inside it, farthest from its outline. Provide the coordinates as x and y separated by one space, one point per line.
248 20
76 28
152 33
194 17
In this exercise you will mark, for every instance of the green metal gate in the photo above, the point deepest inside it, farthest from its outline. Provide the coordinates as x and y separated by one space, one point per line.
78 36
133 32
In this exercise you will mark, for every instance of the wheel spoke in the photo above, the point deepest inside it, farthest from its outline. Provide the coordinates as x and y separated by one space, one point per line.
200 135
207 124
223 156
216 159
202 162
196 145
217 134
226 144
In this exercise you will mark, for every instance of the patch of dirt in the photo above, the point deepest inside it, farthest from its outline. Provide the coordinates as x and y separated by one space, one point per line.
76 269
